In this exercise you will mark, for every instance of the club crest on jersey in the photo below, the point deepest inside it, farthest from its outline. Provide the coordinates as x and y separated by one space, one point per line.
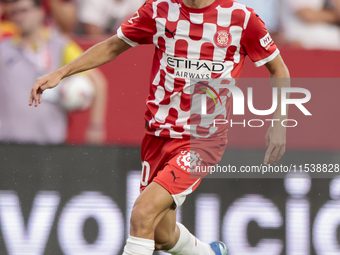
188 160
222 38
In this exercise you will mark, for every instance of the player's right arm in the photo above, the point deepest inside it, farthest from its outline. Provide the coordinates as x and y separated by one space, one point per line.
97 55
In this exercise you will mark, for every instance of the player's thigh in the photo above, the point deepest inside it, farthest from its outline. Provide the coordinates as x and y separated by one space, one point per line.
166 232
152 204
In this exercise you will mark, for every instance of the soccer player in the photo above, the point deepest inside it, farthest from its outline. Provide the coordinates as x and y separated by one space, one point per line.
193 38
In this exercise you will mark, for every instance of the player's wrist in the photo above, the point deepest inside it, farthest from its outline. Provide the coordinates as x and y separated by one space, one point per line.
62 73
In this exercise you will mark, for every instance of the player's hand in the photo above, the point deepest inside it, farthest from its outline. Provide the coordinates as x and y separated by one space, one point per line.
48 81
276 144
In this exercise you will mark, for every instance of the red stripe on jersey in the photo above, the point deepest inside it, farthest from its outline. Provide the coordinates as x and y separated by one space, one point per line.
172 117
230 53
162 9
170 70
207 51
165 133
178 129
196 32
181 48
237 18
161 44
179 84
185 102
195 119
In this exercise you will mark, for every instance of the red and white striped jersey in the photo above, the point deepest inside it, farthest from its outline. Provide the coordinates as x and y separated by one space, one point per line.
205 44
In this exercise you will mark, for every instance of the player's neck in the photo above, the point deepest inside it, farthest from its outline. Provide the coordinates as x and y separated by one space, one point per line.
198 3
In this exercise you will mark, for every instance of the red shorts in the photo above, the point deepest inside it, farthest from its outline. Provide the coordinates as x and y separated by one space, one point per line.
170 162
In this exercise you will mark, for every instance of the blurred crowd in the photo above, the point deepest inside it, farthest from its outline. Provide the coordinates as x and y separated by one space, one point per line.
300 23
35 38
81 17
311 24
35 41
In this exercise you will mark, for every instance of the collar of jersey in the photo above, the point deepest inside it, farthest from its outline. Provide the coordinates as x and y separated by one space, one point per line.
201 10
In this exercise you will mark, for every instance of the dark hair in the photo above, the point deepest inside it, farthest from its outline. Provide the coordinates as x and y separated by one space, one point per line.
36 2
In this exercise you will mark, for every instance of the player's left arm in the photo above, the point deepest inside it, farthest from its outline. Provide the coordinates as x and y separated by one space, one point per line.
276 134
95 133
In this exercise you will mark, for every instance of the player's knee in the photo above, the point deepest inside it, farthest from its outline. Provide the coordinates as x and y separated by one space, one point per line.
142 217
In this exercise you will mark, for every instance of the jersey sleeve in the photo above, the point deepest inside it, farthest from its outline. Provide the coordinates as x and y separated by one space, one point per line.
257 42
140 28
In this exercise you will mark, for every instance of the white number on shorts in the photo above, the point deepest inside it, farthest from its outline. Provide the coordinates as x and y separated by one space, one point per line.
145 173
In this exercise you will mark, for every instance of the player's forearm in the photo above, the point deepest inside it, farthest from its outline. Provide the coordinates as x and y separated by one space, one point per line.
97 55
280 78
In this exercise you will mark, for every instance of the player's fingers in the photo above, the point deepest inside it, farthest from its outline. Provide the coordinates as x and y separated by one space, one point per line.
280 154
274 154
36 100
30 101
267 155
39 97
34 91
33 95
